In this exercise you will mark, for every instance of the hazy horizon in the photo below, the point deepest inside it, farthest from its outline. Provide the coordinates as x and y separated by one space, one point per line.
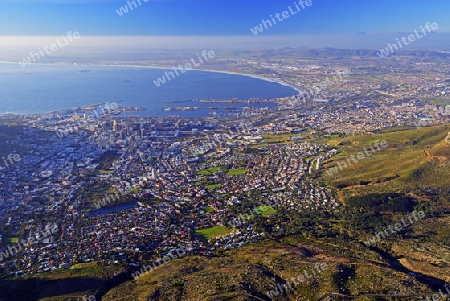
13 48
142 25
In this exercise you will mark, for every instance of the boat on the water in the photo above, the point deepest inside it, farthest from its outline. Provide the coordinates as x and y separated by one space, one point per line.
181 109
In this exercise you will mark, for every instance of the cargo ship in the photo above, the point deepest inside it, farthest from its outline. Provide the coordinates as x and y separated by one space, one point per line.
181 109
134 109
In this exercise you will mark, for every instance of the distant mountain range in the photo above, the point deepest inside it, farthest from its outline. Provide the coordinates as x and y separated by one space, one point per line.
336 53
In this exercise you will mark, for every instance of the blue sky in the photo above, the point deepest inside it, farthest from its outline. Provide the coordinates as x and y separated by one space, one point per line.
216 18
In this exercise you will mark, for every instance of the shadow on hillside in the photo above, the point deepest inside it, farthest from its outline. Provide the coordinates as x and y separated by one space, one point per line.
432 282
36 289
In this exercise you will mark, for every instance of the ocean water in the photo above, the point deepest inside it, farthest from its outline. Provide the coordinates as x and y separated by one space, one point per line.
38 89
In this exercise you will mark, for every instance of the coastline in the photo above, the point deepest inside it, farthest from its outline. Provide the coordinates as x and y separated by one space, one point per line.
255 76
298 91
212 71
170 68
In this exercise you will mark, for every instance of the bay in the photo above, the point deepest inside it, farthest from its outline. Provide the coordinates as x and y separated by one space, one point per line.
38 89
